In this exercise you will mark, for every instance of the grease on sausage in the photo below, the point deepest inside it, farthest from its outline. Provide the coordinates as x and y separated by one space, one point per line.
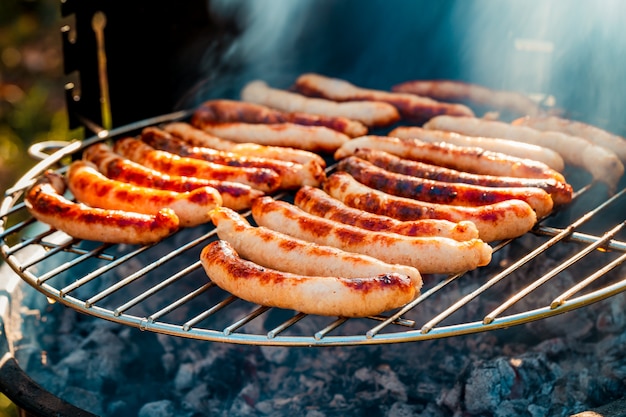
292 175
508 219
602 163
45 201
317 202
370 113
276 250
91 187
430 255
474 160
439 192
509 147
234 195
262 179
199 137
226 111
410 106
326 296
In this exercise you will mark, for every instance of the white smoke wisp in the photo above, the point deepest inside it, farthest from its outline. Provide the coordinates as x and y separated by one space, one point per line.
270 31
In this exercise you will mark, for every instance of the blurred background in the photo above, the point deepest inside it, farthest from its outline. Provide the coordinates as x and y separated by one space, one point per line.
32 101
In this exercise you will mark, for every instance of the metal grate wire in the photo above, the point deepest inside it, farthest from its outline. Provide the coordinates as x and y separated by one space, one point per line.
162 288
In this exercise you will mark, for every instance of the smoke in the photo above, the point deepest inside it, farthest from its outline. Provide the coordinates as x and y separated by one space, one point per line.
268 37
572 51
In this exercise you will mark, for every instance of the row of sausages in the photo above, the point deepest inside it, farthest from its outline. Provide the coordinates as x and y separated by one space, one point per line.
405 200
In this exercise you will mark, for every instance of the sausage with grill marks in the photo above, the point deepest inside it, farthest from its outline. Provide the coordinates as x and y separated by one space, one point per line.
45 201
474 160
321 295
262 179
592 133
317 202
308 138
430 255
561 192
235 195
410 106
448 90
226 111
504 220
509 147
439 192
91 187
199 137
602 163
276 250
370 113
292 175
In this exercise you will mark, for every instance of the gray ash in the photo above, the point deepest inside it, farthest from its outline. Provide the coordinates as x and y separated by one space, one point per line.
114 370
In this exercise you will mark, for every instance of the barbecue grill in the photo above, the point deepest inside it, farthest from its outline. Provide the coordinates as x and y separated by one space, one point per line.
95 279
571 259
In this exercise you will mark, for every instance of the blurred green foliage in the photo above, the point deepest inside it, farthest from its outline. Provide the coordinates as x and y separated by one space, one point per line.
32 99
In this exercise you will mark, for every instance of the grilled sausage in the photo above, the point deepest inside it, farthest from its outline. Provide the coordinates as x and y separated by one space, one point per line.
227 111
602 163
308 138
439 192
91 187
198 137
292 175
410 106
235 195
45 201
474 160
504 220
430 255
277 250
370 113
509 147
317 202
592 133
560 192
447 90
262 179
325 296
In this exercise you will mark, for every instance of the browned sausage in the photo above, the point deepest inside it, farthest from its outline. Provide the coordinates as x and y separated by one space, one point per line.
91 187
448 90
430 255
602 163
475 160
370 113
199 137
45 201
504 220
326 296
560 192
262 179
318 202
235 195
276 250
292 175
308 138
439 192
410 106
226 111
